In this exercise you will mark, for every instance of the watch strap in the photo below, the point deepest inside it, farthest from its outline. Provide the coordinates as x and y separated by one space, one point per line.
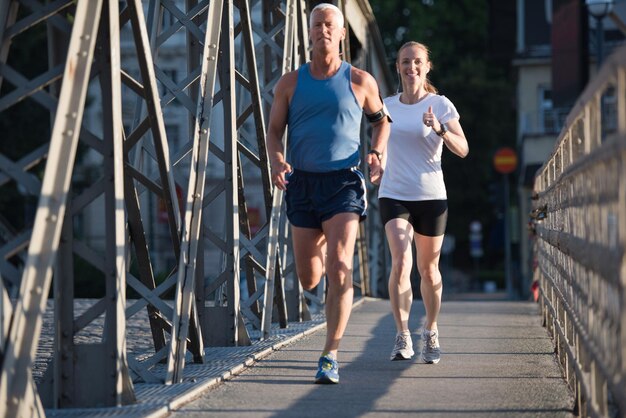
378 154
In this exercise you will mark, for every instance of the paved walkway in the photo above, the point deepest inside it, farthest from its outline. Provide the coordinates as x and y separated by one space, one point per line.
497 362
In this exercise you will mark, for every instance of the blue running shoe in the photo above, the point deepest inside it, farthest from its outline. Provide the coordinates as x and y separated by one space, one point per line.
327 370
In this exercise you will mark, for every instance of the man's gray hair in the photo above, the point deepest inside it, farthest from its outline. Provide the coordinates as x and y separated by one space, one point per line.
327 6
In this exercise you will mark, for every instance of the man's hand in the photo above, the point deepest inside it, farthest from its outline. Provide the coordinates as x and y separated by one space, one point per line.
376 168
279 170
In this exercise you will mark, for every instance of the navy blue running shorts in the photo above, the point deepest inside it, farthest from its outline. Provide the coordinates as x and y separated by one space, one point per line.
428 217
313 198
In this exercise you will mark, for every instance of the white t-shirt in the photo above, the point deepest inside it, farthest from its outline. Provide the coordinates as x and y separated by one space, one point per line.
413 169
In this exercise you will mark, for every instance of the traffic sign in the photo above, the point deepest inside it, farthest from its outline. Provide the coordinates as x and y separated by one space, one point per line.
505 160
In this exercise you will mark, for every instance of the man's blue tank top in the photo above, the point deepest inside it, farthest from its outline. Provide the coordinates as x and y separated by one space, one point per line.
324 122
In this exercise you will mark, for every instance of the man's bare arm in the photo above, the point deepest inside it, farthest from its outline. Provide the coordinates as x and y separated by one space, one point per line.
276 129
366 89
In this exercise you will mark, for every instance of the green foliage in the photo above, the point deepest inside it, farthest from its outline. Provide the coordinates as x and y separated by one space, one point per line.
456 32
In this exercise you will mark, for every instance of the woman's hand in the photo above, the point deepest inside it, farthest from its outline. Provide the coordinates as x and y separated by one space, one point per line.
431 120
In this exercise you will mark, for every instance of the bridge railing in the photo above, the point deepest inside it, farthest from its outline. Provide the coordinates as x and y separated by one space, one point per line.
579 221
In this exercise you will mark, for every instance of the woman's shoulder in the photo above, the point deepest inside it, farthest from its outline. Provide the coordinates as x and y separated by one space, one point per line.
441 101
444 108
392 99
440 98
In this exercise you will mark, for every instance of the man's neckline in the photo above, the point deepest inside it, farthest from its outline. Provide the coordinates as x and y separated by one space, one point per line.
324 77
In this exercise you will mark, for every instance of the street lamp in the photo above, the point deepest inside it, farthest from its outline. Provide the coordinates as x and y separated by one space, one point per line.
599 9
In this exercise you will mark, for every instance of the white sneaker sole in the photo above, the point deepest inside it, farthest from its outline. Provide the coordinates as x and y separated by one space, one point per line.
431 361
399 356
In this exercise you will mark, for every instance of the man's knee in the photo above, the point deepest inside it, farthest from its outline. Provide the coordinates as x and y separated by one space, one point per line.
339 269
309 282
309 277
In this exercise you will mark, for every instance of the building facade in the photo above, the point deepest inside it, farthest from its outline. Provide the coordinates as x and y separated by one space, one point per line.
555 57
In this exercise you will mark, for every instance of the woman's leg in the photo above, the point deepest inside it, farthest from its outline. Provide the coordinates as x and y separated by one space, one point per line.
431 285
399 237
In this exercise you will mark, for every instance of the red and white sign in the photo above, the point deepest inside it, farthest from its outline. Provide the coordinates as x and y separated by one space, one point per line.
505 160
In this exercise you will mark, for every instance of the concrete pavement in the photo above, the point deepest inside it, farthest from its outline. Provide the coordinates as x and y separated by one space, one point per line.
498 361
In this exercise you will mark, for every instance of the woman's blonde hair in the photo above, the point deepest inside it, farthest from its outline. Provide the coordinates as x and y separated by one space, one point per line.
428 85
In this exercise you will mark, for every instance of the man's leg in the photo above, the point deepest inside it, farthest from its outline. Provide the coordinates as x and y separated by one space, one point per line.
309 251
340 231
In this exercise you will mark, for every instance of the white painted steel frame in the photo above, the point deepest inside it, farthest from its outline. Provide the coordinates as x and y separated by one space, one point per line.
118 388
282 55
73 367
16 384
283 38
149 118
235 329
253 255
192 225
272 263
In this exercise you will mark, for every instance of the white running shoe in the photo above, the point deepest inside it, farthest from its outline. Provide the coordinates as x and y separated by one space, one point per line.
431 352
403 348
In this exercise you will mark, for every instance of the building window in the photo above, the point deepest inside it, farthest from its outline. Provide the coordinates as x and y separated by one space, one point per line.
550 119
609 111
546 122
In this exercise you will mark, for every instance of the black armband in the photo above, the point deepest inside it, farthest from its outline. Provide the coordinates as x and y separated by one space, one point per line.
380 115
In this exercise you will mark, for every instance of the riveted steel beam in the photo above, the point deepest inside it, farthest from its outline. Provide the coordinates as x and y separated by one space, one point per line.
16 388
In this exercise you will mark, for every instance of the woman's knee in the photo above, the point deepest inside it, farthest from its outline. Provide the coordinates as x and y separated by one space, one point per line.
402 265
430 274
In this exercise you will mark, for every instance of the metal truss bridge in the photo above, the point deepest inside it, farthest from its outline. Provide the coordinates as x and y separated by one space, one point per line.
155 107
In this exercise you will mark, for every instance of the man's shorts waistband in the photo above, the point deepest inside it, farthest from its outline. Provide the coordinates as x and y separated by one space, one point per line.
324 173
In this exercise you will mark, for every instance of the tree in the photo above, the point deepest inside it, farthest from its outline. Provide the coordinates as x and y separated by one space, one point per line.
457 34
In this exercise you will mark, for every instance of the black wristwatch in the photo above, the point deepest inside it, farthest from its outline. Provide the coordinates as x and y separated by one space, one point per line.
377 154
443 131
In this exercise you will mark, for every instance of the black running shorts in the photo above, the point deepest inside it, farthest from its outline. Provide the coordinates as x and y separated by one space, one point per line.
428 217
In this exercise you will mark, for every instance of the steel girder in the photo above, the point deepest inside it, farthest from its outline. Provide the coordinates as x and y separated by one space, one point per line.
235 52
55 207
